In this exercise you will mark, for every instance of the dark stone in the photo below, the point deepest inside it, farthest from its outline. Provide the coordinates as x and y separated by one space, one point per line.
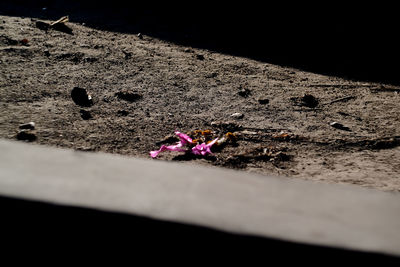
28 126
140 36
90 59
128 96
244 92
26 135
81 97
200 57
85 114
309 101
263 100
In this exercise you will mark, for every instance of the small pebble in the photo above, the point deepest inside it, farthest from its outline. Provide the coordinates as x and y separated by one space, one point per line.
339 126
263 100
244 92
227 126
237 115
122 113
309 101
81 97
28 126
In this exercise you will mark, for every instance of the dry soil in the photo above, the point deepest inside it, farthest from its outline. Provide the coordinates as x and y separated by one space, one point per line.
144 89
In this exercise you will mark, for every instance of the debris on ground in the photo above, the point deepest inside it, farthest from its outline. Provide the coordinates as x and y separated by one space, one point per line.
140 36
187 144
247 132
81 97
270 153
58 25
286 136
282 136
226 126
339 126
27 126
342 99
128 95
199 143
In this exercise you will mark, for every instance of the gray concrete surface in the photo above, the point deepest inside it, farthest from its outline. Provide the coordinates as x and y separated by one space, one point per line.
276 207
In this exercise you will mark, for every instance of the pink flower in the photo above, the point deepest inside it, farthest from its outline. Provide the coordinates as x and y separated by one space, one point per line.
176 147
201 149
184 138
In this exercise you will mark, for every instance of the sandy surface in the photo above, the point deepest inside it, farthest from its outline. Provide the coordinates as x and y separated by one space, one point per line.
177 87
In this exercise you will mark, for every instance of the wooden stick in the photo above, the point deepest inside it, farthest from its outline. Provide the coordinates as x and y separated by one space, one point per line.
61 20
340 100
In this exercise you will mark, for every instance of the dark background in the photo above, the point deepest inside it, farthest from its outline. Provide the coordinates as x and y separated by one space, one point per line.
38 232
355 42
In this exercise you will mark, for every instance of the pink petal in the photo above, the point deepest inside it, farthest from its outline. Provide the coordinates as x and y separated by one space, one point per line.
177 147
203 149
212 142
155 153
184 138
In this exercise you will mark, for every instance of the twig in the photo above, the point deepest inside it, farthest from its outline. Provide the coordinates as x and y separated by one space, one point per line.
383 89
61 20
340 100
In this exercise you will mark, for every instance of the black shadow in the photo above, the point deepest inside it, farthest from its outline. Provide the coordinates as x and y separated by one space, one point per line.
42 229
357 43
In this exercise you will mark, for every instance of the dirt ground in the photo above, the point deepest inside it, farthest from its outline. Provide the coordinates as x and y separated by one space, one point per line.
292 122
